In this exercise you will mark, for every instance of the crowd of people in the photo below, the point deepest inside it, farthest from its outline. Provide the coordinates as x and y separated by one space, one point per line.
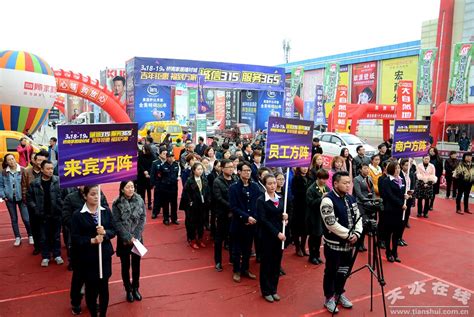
228 191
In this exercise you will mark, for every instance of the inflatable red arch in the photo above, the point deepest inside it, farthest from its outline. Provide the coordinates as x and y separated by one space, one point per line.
83 86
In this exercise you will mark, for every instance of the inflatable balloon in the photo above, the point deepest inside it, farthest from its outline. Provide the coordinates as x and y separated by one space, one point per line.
299 104
27 91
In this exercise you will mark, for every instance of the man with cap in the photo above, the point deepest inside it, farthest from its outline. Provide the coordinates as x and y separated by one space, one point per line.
167 185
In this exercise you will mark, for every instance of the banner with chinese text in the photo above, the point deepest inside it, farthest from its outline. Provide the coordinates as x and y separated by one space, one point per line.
392 71
331 80
231 107
296 81
270 104
288 142
219 108
289 108
340 109
405 104
462 57
410 138
91 154
153 103
364 83
425 76
319 112
248 109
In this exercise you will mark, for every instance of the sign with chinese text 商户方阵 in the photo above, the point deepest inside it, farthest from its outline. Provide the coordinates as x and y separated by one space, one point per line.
289 142
91 154
410 138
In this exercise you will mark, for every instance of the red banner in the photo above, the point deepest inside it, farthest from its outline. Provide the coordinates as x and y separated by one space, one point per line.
340 109
405 104
364 83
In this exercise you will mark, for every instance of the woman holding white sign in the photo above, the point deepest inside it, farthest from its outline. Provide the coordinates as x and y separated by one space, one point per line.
87 235
129 216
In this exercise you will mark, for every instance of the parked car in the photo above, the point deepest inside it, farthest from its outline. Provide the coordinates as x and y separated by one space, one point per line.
212 126
238 131
332 143
159 129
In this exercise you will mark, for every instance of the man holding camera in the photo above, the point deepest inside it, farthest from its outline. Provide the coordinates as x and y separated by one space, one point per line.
363 191
342 229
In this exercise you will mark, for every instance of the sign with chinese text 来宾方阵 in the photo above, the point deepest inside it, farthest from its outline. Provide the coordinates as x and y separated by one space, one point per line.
410 138
92 154
289 142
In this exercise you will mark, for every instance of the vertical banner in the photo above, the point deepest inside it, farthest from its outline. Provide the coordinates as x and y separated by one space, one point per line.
130 90
296 81
181 103
231 106
288 142
331 80
193 100
394 70
364 83
201 127
248 109
463 53
308 111
410 138
204 97
340 109
270 104
289 108
425 76
405 104
320 114
91 154
219 108
153 103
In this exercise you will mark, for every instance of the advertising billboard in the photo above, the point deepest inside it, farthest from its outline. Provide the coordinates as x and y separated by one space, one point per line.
364 83
394 70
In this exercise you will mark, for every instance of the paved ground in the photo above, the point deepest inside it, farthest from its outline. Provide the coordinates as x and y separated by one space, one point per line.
178 281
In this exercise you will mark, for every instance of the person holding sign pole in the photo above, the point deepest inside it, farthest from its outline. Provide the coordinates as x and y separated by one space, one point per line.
87 235
271 216
129 216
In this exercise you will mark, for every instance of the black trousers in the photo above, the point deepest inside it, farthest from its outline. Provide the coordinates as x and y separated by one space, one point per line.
270 265
393 232
76 285
337 266
213 224
464 189
35 228
50 230
97 288
314 243
451 182
156 201
170 199
125 265
144 187
241 249
423 209
194 225
67 242
221 235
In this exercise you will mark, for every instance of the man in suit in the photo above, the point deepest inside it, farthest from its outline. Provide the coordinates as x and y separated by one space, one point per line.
363 190
360 158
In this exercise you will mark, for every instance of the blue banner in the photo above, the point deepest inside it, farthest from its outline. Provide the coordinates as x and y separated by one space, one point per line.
248 108
203 95
410 138
270 103
152 103
217 75
319 112
308 110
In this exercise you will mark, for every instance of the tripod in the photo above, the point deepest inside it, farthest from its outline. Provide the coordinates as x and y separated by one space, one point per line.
374 264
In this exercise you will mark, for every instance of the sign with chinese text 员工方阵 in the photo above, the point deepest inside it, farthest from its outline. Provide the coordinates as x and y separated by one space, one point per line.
289 142
91 154
410 138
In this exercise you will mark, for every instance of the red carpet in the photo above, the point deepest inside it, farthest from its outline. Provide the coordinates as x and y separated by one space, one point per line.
178 281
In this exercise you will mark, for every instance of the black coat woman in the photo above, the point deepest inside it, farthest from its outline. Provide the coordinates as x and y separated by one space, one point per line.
465 176
300 184
145 160
314 196
394 203
270 214
87 235
195 199
437 162
129 216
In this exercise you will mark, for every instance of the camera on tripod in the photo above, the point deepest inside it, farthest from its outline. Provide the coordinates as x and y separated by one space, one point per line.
371 206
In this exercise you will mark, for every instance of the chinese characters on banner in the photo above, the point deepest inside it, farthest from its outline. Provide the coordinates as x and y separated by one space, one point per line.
319 112
289 109
391 72
91 154
296 81
364 83
340 109
410 138
248 109
463 53
288 142
405 104
331 80
425 76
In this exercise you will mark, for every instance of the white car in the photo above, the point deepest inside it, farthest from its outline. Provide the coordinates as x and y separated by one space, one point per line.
332 143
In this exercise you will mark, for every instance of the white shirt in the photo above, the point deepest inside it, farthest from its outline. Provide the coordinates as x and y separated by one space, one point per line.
86 209
267 197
